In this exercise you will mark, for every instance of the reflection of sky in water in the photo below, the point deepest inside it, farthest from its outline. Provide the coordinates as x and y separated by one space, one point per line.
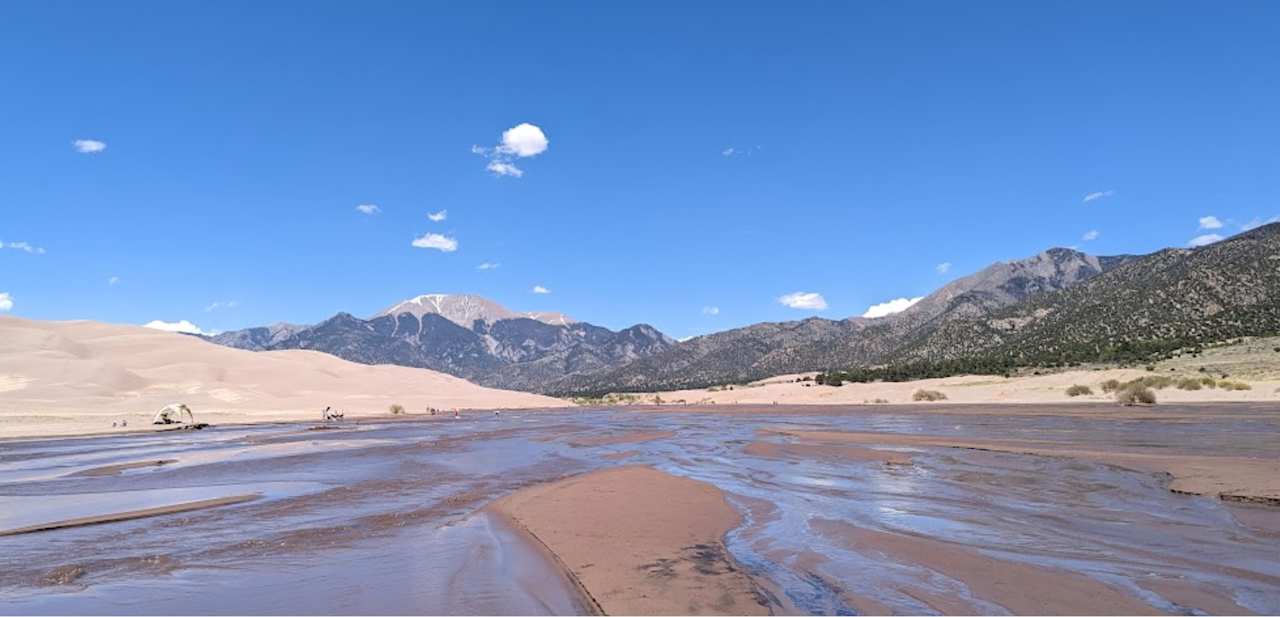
1116 525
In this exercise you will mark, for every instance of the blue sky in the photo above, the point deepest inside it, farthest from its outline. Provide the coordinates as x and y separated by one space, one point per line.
722 155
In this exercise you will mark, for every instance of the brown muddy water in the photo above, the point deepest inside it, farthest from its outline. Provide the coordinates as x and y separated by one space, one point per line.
385 518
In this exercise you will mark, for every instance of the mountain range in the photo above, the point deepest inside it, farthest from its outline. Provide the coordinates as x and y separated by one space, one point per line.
1060 306
466 336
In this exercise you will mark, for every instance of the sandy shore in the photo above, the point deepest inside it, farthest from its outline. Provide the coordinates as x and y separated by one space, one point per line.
640 541
785 390
79 377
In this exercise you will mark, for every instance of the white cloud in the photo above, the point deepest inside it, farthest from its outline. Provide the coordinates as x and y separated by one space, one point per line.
113 280
710 310
804 300
943 267
539 289
183 326
1210 222
369 209
1204 240
25 247
728 151
439 242
1256 223
488 265
1092 234
6 302
1098 195
523 140
503 168
436 217
89 146
893 306
220 305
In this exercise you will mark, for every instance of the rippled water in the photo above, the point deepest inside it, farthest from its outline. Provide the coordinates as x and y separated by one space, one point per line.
384 517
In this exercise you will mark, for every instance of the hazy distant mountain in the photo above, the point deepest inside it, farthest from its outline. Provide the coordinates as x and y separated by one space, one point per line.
766 349
467 336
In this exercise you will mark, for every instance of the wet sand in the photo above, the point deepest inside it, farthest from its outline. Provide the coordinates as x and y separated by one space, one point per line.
859 509
640 541
130 515
1021 588
1231 478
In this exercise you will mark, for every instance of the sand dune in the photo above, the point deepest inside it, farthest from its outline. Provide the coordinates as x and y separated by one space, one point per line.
71 377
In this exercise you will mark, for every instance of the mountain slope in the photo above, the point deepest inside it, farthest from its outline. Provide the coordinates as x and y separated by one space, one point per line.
497 347
1169 299
763 350
466 309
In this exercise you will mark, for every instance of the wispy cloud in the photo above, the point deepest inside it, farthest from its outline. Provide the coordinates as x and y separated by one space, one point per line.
1210 222
112 280
504 168
368 209
182 326
438 216
732 151
439 242
1092 234
89 146
523 140
1096 195
488 265
6 302
893 306
25 247
943 267
710 310
1204 240
221 305
806 300
539 289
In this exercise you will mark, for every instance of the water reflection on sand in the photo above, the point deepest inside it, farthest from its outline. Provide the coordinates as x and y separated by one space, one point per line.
385 517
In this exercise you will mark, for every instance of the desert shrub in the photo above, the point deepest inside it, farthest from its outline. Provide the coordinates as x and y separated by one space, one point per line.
1189 384
1234 385
1208 382
1135 394
396 409
928 395
885 401
1079 390
1111 385
1159 382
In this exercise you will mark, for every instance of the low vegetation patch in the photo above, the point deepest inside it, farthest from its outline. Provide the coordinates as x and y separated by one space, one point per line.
396 409
1134 393
1111 385
1079 390
1189 383
1234 385
928 395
